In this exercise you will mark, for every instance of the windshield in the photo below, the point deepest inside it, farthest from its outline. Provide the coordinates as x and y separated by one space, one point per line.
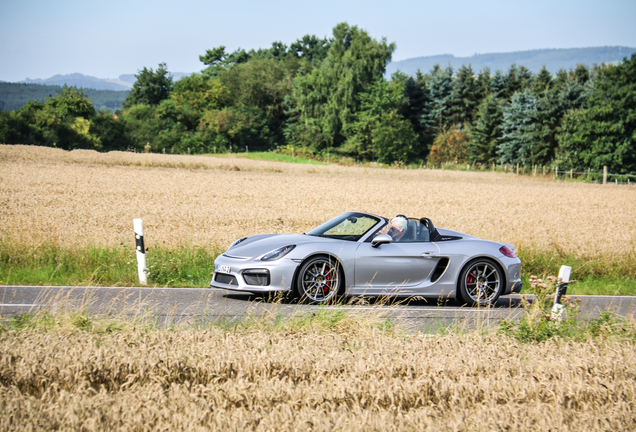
348 226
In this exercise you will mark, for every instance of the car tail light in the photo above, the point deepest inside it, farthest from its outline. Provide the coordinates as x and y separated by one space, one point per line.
507 252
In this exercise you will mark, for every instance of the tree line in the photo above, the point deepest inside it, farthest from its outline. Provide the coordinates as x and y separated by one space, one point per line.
330 96
14 96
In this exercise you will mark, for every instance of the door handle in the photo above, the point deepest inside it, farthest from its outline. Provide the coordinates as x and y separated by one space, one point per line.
428 255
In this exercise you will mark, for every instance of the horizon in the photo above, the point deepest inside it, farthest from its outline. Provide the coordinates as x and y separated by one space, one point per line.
42 39
26 79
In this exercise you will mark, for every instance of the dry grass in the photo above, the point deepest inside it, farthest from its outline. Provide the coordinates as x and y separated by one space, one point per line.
83 197
343 379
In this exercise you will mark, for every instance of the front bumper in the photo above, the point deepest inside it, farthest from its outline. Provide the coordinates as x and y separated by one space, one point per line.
242 271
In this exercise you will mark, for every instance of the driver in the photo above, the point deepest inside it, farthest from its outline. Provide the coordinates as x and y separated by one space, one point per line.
396 228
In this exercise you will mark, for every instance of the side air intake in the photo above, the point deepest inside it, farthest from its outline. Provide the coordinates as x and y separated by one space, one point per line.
440 268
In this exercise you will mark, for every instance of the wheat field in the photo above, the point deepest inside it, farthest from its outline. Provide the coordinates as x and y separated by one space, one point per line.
84 197
310 380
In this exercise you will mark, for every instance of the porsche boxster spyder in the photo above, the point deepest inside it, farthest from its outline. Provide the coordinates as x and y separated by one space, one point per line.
361 254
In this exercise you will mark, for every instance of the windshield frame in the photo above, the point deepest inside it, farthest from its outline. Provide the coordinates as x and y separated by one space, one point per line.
321 229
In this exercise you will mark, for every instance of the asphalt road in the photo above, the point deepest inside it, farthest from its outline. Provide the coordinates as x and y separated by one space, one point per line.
202 305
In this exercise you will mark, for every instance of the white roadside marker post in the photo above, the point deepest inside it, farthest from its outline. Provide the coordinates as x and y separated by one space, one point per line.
141 251
562 285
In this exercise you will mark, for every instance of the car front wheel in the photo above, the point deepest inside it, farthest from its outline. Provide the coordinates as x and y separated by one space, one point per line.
319 279
481 282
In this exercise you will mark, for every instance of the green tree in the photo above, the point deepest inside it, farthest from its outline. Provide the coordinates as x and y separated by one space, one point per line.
62 121
463 97
603 131
499 85
310 48
328 98
258 90
110 130
520 142
217 60
71 102
379 132
487 132
483 83
542 81
416 103
200 92
440 86
151 87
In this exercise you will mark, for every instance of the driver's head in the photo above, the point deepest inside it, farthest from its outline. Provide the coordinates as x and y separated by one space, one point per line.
398 227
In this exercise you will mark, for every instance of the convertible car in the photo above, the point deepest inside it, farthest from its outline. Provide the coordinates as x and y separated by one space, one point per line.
359 253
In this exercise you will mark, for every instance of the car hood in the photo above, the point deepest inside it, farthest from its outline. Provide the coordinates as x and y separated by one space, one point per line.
258 245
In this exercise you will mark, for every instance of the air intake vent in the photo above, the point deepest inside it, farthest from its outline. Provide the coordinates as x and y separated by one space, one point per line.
225 279
440 268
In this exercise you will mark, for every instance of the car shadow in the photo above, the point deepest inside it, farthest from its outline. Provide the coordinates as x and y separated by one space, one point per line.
406 302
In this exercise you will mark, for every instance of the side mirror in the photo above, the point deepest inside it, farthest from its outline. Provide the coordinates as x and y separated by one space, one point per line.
380 240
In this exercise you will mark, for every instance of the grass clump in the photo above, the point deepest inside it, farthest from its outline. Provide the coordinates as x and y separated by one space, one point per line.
274 157
539 323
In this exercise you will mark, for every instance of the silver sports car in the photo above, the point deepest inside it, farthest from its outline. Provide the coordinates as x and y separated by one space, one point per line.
359 253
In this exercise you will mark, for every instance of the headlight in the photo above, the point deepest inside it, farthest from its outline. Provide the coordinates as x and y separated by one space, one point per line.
278 253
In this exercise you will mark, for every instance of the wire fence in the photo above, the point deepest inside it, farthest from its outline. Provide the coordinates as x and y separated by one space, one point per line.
589 176
595 176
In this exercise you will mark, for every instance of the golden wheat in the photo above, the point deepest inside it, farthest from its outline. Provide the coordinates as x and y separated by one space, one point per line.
310 380
84 197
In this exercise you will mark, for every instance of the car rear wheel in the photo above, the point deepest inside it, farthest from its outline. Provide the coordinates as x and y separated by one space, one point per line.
481 282
319 279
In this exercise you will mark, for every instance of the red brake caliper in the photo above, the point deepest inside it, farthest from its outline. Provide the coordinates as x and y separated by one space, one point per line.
325 290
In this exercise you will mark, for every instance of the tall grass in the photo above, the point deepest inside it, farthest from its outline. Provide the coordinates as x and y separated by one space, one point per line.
53 264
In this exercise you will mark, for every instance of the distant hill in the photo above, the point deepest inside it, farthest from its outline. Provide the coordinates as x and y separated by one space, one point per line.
123 83
553 59
82 81
15 95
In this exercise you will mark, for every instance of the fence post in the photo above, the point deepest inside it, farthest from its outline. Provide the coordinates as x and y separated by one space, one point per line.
562 287
605 174
141 251
556 172
571 172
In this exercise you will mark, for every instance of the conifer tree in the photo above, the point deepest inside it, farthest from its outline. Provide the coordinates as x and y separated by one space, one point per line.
463 97
519 142
440 87
499 84
486 132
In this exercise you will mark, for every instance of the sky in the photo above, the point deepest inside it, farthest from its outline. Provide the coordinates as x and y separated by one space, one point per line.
42 38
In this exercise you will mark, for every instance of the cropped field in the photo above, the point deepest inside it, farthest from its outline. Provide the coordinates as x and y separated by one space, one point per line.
79 199
84 197
322 376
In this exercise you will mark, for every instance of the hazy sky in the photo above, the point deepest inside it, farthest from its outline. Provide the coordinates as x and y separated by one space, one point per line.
41 38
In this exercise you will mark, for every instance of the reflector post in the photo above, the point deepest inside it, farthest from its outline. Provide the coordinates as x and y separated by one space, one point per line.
141 251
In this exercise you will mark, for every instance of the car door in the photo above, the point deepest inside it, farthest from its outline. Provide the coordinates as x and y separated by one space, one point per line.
394 265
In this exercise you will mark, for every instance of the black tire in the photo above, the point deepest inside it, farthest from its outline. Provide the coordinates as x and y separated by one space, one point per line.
319 280
481 282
